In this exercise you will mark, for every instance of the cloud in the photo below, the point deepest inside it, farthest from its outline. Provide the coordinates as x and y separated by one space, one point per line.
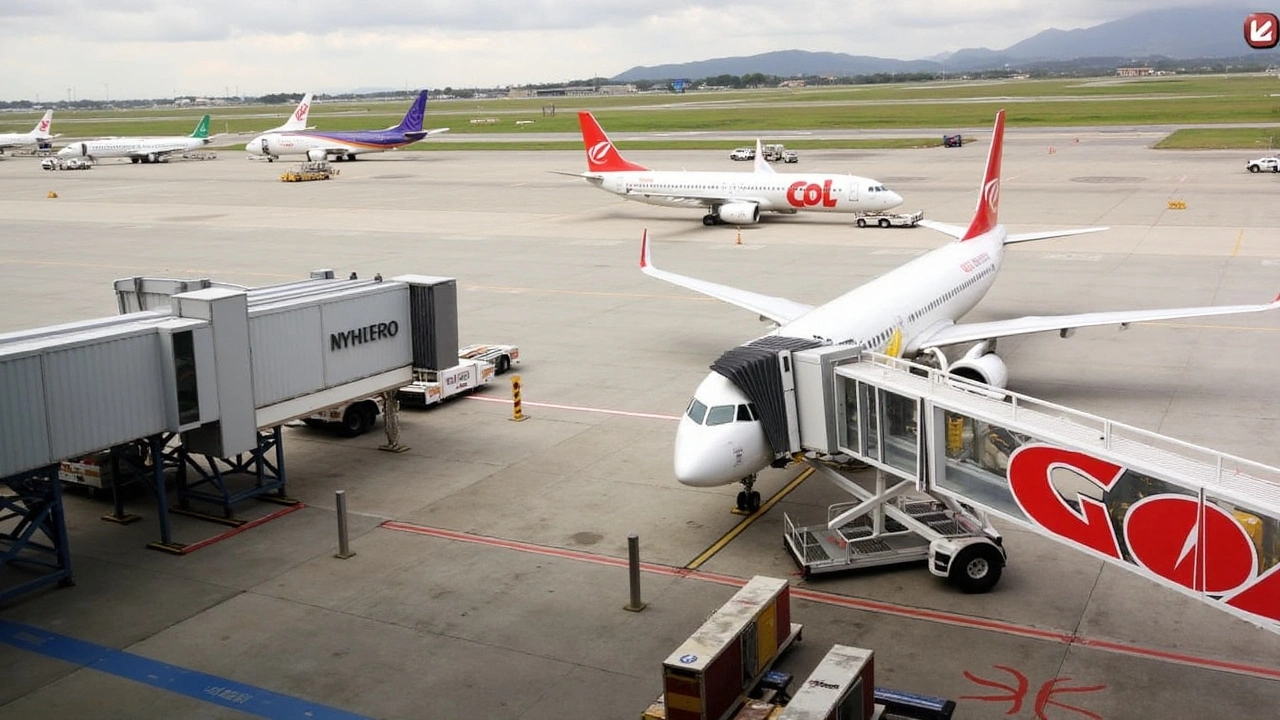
151 48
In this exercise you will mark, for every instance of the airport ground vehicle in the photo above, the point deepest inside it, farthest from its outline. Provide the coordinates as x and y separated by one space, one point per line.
884 219
310 170
790 156
1270 164
72 164
478 365
743 153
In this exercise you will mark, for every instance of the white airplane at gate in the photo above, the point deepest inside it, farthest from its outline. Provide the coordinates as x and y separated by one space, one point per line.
910 311
736 198
38 134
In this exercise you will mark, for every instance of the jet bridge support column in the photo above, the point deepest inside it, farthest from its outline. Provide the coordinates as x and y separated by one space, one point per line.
38 538
211 484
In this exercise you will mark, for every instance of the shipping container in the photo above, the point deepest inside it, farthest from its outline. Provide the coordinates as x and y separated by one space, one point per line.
710 674
842 687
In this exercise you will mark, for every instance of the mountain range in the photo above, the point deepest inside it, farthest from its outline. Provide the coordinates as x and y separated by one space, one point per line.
1172 34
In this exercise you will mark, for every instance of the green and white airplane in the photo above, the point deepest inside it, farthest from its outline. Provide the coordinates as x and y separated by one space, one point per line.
139 149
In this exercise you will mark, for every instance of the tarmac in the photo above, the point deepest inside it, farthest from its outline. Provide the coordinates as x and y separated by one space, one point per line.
488 581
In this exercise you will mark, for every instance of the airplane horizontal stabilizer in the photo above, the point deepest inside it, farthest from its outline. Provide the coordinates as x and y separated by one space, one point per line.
955 231
977 332
779 310
1028 237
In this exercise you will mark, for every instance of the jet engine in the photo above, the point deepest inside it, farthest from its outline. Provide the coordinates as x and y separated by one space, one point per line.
982 365
739 213
316 154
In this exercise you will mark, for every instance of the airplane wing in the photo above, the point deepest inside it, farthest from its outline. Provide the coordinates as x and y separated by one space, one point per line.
1065 324
779 310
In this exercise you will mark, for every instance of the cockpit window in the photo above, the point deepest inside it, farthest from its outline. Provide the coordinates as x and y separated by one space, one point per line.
721 414
744 413
697 411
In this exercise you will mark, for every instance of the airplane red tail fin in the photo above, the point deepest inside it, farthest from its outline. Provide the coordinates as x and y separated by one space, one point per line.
987 214
602 156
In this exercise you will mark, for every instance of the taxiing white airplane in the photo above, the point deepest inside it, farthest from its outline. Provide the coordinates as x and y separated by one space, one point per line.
298 120
139 149
911 311
38 134
736 198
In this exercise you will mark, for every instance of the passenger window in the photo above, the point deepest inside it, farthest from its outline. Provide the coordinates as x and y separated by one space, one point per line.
720 414
697 411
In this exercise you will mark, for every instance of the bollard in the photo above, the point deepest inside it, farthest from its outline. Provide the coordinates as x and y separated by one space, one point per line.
739 241
633 561
517 414
344 544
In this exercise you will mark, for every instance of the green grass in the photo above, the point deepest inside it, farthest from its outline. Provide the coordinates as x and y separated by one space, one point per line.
1187 100
1262 139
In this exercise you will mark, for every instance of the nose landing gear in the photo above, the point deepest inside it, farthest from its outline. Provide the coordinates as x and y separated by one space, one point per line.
748 499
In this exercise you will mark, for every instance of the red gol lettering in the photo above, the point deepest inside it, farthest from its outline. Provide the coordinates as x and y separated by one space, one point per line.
1167 537
1030 469
801 194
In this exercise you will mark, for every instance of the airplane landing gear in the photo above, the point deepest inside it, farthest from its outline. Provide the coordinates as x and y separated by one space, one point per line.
748 499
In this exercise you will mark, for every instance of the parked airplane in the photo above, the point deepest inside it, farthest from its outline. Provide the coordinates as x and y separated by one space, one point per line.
298 120
140 149
910 311
38 134
320 145
737 198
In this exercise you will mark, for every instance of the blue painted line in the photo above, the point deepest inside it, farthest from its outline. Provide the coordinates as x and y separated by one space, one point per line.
208 688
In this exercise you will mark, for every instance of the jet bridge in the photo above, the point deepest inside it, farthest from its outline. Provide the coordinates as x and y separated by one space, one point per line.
196 378
949 451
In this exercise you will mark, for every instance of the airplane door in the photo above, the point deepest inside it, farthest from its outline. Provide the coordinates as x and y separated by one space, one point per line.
266 146
853 191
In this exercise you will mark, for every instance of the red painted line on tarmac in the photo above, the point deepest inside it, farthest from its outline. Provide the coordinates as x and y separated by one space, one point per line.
873 606
236 531
576 408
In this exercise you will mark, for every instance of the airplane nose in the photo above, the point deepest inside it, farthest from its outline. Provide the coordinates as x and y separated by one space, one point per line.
713 456
893 199
254 147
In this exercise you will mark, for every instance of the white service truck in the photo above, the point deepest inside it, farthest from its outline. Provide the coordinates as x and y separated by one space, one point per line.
885 219
477 365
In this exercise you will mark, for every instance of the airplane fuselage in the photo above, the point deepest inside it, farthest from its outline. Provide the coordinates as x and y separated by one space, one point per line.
131 147
772 192
936 288
277 144
18 140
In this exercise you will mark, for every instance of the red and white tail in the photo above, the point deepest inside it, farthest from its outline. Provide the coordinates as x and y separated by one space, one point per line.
602 156
42 128
988 211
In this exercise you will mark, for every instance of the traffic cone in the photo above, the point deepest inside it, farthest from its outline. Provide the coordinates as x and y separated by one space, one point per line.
52 194
739 240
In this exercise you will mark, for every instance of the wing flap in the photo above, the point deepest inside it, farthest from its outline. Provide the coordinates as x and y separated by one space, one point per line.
779 310
976 332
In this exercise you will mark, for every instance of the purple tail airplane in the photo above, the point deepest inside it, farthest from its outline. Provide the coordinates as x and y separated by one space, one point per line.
345 145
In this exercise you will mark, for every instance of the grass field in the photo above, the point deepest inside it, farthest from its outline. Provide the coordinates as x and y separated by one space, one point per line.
1174 100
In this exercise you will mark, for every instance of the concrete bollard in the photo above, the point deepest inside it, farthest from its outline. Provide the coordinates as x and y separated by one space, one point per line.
633 561
344 543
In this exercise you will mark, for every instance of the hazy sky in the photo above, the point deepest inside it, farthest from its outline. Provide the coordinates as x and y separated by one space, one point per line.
93 49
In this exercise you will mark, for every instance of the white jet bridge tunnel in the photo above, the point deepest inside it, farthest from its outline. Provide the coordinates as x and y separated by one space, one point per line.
195 379
947 451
